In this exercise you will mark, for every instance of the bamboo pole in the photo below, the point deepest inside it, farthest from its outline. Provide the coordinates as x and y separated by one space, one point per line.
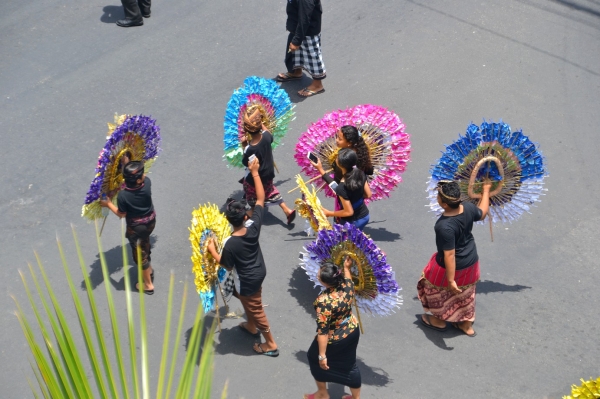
310 181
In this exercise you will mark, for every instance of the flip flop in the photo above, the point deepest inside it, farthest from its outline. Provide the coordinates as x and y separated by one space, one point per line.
147 292
310 92
273 353
347 397
309 396
455 325
429 325
291 217
286 78
244 329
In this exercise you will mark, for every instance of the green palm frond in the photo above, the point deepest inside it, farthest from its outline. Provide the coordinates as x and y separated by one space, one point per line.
119 370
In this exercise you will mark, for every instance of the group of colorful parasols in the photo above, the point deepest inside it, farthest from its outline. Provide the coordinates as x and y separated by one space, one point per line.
489 151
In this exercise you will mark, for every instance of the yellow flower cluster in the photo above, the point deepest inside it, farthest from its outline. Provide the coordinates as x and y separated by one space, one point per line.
207 222
309 207
588 390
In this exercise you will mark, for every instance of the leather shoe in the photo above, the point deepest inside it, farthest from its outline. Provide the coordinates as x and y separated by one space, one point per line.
127 23
145 14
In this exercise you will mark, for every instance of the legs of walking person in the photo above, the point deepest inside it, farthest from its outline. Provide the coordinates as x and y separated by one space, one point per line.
322 392
144 6
355 393
257 319
292 73
139 236
133 16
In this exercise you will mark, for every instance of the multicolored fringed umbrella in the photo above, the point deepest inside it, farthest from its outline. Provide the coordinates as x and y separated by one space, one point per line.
510 159
377 291
136 136
309 207
208 222
383 132
275 108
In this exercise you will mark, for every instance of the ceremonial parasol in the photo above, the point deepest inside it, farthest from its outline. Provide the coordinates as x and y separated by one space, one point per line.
208 222
377 291
509 159
383 133
309 207
138 138
275 108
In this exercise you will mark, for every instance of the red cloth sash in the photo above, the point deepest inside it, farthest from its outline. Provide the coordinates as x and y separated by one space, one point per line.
436 275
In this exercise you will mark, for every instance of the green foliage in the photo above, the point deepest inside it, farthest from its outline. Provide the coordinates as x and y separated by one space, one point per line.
61 370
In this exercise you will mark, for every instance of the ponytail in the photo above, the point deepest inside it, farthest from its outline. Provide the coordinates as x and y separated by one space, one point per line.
352 136
354 178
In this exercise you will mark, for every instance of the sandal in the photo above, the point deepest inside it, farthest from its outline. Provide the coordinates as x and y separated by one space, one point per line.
242 326
147 292
455 325
261 351
310 93
427 323
291 217
286 77
347 397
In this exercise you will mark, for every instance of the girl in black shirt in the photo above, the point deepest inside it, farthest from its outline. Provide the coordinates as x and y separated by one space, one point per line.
351 191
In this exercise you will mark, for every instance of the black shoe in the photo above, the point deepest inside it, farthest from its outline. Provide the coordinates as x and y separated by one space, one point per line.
127 23
145 14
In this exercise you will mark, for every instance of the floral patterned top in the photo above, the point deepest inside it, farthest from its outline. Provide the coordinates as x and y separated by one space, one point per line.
334 311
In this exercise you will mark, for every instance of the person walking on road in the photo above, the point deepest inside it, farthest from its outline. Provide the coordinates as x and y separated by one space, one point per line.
447 285
332 355
242 252
304 45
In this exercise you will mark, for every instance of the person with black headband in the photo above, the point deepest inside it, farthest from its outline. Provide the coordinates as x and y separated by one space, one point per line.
447 285
351 190
134 203
332 354
242 252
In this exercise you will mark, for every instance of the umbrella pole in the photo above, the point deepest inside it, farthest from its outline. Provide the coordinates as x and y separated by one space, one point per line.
102 228
310 181
224 300
491 231
276 168
362 331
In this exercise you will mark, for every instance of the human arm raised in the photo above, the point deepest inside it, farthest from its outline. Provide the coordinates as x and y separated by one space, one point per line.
258 186
484 202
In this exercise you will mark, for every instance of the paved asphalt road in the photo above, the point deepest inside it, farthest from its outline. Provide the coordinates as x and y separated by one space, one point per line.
65 69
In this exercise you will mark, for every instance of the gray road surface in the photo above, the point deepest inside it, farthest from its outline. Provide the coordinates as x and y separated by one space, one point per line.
65 69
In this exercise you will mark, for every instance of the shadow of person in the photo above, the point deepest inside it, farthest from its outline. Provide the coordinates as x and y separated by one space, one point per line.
303 290
294 86
210 321
120 284
437 337
381 234
372 376
488 287
112 14
114 263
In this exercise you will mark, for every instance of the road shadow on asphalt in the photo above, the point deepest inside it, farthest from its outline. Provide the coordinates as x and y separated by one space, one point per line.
112 14
293 87
372 376
488 287
303 290
381 234
231 340
114 264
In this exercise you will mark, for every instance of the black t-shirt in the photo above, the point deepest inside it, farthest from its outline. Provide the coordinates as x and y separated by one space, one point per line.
454 232
356 198
264 153
136 202
243 253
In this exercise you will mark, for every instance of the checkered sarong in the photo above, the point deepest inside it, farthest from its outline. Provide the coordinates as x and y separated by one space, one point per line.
309 58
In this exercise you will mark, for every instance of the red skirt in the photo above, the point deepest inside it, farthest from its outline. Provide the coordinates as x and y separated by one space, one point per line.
439 301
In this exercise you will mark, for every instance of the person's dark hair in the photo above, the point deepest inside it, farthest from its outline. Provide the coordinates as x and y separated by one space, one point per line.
449 193
331 274
354 178
132 172
358 144
235 212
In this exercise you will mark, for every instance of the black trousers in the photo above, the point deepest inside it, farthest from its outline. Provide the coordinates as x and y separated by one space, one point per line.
135 8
